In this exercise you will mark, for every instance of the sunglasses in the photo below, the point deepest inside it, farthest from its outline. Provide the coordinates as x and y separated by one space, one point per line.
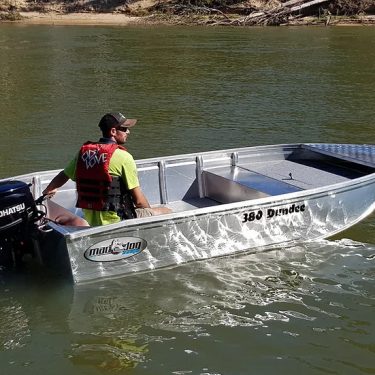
122 128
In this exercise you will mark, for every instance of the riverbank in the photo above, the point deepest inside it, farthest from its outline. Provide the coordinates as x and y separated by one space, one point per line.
148 12
53 18
120 19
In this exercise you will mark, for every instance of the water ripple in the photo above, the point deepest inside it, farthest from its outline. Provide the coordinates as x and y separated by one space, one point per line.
14 325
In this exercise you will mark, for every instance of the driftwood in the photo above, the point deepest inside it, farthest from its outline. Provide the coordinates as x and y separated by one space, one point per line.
281 14
306 5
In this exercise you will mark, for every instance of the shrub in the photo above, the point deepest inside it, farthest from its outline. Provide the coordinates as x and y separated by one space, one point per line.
352 7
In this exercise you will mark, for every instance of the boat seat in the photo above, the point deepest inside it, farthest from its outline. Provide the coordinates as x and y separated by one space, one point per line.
234 184
293 173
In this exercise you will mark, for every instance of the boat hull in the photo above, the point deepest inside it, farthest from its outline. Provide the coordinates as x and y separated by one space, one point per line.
252 226
224 202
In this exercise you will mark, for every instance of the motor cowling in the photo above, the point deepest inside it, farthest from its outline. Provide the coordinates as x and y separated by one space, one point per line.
18 214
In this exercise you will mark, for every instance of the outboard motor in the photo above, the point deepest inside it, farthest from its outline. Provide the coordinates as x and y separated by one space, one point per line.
18 217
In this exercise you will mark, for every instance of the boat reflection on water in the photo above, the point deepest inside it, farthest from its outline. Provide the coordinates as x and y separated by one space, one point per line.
179 312
121 323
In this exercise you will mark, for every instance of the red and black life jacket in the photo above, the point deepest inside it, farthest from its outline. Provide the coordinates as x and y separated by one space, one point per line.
97 189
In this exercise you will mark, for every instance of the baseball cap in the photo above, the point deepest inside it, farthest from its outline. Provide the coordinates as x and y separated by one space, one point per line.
114 120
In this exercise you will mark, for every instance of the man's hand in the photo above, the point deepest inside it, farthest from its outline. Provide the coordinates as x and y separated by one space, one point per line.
56 182
49 193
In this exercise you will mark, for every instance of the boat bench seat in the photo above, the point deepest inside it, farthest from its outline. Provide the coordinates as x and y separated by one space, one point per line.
293 173
234 184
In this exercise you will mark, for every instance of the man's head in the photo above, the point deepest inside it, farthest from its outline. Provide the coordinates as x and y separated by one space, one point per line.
114 122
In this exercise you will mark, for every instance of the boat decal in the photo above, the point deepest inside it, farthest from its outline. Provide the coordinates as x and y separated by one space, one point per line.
271 213
115 249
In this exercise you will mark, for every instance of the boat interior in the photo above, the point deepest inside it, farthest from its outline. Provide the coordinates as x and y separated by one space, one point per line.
189 182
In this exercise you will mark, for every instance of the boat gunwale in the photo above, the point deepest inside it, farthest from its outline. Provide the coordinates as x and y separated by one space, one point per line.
187 157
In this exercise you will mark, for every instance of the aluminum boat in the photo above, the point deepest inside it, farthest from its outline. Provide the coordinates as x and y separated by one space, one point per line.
224 202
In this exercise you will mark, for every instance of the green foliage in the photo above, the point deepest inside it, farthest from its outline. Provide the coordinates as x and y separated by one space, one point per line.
352 7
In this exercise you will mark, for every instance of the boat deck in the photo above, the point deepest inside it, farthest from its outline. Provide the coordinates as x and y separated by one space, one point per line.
252 181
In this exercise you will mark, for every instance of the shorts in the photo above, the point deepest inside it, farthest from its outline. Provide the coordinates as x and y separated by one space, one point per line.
144 212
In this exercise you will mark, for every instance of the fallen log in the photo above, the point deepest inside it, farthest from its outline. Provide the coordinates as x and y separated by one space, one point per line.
276 16
291 2
308 4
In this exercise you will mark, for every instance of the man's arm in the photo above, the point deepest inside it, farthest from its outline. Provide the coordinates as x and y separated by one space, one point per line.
56 182
139 199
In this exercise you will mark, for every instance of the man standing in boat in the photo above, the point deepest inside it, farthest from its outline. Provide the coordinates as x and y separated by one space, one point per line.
106 177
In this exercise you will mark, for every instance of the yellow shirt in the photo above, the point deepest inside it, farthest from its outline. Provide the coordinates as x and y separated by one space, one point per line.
122 165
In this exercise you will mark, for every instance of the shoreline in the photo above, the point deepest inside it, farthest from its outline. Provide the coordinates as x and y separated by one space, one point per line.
77 19
121 19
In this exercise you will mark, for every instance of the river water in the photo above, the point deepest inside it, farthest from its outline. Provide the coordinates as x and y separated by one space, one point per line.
307 309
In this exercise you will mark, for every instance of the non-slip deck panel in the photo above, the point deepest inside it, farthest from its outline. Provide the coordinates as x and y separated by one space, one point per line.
359 154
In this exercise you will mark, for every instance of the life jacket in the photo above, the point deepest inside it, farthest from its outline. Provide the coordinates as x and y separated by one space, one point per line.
97 189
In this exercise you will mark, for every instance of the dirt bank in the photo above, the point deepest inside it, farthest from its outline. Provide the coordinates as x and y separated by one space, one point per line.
55 18
146 12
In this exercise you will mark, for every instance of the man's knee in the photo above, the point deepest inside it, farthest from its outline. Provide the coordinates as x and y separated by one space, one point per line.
161 210
147 212
70 220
